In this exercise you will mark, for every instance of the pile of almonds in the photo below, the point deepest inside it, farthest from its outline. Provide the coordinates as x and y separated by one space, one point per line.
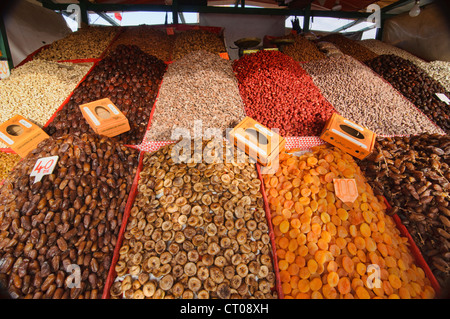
413 173
58 235
365 98
197 229
200 86
130 78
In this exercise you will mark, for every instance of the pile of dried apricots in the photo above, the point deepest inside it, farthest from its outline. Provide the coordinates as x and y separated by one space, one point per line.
329 249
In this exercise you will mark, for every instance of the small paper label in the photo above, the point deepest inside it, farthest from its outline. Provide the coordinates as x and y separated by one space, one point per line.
6 139
4 70
224 55
346 189
92 116
113 109
44 166
170 31
443 98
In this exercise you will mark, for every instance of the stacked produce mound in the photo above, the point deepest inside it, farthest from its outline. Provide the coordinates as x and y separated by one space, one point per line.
278 93
303 50
415 85
197 229
365 98
86 43
37 89
413 173
58 235
201 86
350 47
150 40
130 78
194 40
330 249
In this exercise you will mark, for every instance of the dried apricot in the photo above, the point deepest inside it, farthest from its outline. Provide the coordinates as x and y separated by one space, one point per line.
362 293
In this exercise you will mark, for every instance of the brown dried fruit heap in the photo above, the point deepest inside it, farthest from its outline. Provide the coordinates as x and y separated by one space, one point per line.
413 174
130 78
67 220
196 230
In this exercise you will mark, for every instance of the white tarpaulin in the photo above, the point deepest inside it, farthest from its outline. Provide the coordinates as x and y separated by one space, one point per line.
30 26
239 26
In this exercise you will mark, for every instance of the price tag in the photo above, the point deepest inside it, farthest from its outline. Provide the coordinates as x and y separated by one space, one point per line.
346 190
44 166
4 70
170 31
443 98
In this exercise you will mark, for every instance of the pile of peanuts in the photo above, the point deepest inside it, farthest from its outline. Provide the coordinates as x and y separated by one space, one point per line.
365 98
197 229
278 93
37 89
68 221
330 249
86 43
130 78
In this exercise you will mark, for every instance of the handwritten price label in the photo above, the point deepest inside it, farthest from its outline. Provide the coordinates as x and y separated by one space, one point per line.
44 166
346 190
4 69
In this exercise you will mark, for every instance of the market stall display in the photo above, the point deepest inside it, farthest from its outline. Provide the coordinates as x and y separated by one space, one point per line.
365 98
193 40
413 173
197 228
68 221
151 40
415 85
303 50
350 47
86 43
201 86
37 89
130 78
278 93
327 247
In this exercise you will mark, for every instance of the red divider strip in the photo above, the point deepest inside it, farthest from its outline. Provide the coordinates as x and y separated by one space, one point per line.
271 235
131 197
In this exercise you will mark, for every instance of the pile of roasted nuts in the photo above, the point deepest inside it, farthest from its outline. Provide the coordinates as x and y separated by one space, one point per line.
149 39
415 85
194 40
303 50
58 235
197 229
413 173
130 78
350 47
